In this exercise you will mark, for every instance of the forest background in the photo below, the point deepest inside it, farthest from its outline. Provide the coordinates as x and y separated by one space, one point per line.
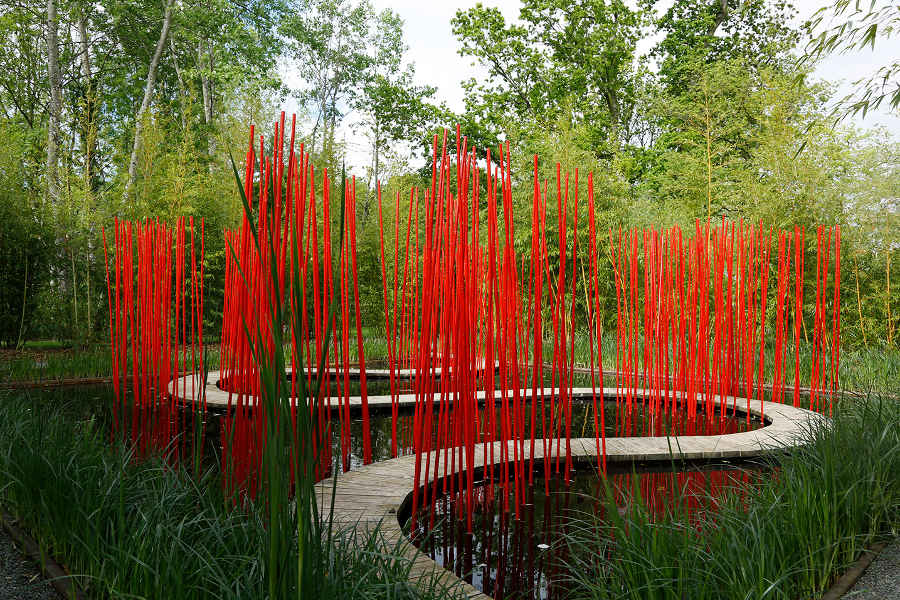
131 108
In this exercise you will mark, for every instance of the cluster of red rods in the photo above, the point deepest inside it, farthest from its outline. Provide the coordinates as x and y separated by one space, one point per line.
159 328
485 331
692 315
691 323
300 241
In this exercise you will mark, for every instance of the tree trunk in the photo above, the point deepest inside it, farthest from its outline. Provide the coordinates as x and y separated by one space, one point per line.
208 88
87 280
85 48
89 134
181 88
206 82
19 342
377 140
55 103
721 15
74 293
148 95
890 317
862 328
612 104
708 135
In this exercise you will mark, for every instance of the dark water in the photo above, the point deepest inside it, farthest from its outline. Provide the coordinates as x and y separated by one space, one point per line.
335 385
522 552
378 380
176 431
619 421
550 419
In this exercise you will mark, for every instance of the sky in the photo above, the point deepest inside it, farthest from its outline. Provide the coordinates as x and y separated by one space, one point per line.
432 47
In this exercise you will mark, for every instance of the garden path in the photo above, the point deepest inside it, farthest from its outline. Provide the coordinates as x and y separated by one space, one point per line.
881 581
20 578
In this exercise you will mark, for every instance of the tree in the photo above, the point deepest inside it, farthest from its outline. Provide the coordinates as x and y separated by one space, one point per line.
567 59
55 106
221 45
328 39
755 31
148 95
85 101
708 131
25 247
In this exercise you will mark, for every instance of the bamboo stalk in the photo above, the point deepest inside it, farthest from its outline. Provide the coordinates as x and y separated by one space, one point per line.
862 327
887 300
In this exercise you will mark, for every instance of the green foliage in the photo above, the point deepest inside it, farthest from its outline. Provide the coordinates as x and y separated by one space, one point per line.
143 529
328 40
33 362
754 31
719 121
25 250
571 59
708 135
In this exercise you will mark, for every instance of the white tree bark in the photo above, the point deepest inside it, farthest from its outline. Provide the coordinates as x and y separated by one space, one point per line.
148 95
207 87
89 134
85 42
206 80
55 104
181 87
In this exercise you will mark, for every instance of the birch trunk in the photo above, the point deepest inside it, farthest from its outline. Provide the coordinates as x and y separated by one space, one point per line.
182 94
148 95
206 86
55 103
89 133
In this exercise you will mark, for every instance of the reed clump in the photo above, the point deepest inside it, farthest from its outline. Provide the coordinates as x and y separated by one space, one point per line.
785 537
139 528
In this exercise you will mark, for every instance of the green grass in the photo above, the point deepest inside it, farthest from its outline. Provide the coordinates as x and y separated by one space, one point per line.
32 364
58 364
53 361
132 528
862 370
46 345
786 537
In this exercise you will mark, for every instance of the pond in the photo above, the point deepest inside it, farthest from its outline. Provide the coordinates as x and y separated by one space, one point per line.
525 555
639 422
95 401
518 552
